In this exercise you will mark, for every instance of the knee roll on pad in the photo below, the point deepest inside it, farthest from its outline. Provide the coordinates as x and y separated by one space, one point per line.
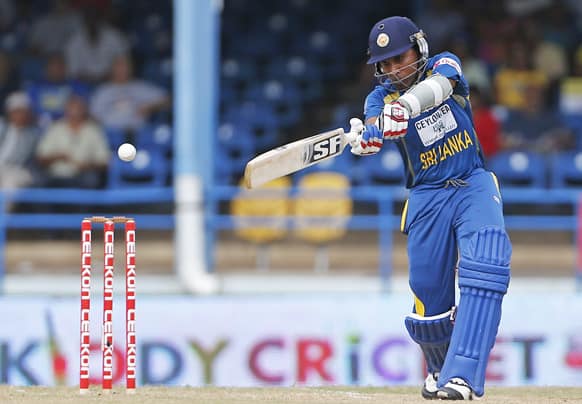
485 264
483 280
433 335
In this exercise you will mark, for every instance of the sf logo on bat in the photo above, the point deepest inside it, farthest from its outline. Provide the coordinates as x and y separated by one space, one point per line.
323 149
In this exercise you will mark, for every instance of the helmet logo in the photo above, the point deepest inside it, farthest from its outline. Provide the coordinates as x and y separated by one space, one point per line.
382 40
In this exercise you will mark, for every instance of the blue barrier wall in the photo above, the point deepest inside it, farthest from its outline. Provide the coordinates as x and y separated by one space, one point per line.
385 222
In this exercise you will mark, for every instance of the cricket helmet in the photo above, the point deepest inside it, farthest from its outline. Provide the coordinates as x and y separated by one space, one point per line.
393 36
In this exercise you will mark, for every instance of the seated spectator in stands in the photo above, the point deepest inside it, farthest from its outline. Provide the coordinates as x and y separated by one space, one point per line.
570 99
49 96
492 40
441 20
126 103
9 78
7 14
512 80
560 25
475 70
486 124
535 127
18 140
554 43
91 50
74 150
51 30
552 60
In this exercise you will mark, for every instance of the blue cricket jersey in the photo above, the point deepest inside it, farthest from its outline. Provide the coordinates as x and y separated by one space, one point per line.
441 143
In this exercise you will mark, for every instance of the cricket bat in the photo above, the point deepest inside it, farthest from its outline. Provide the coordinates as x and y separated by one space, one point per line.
295 156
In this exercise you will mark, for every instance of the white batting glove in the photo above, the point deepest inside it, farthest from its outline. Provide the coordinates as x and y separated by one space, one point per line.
366 139
393 121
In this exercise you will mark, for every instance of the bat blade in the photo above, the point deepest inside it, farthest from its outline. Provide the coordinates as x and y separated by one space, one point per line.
295 156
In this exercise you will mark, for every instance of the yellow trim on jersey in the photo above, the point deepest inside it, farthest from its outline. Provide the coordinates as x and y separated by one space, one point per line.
403 217
391 97
418 306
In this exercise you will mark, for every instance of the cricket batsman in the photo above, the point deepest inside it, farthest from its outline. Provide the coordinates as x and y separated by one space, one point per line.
454 215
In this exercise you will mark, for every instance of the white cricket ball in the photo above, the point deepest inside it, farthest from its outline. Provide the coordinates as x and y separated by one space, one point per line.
126 152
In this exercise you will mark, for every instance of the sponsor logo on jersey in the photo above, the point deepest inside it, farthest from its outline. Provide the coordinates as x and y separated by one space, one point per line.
433 127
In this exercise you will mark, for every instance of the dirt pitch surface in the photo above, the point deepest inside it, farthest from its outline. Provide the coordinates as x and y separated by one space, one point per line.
283 395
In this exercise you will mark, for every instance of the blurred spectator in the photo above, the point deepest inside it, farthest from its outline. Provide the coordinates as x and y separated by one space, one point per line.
525 7
559 26
50 31
18 139
49 96
9 78
550 58
577 62
535 127
575 8
102 5
441 21
474 69
13 30
570 99
491 43
571 88
512 80
74 150
7 14
126 103
91 50
551 50
487 125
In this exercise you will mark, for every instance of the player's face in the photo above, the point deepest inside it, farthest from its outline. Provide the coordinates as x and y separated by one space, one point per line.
401 69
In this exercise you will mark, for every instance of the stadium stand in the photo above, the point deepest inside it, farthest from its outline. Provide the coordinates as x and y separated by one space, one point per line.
286 67
519 168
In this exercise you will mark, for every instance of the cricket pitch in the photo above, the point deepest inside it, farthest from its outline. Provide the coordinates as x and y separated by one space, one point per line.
274 395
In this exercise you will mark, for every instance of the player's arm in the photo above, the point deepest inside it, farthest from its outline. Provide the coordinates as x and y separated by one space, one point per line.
392 123
427 94
431 92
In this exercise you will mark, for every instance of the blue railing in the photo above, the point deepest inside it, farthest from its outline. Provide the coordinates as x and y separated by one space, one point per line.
71 221
388 220
385 222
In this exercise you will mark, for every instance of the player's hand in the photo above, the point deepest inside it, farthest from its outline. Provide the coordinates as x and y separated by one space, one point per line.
393 121
366 139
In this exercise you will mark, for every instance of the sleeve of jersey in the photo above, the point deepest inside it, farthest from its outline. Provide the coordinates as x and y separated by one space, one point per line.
449 65
374 104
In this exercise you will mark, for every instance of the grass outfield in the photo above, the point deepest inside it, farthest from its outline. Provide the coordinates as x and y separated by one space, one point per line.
282 395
